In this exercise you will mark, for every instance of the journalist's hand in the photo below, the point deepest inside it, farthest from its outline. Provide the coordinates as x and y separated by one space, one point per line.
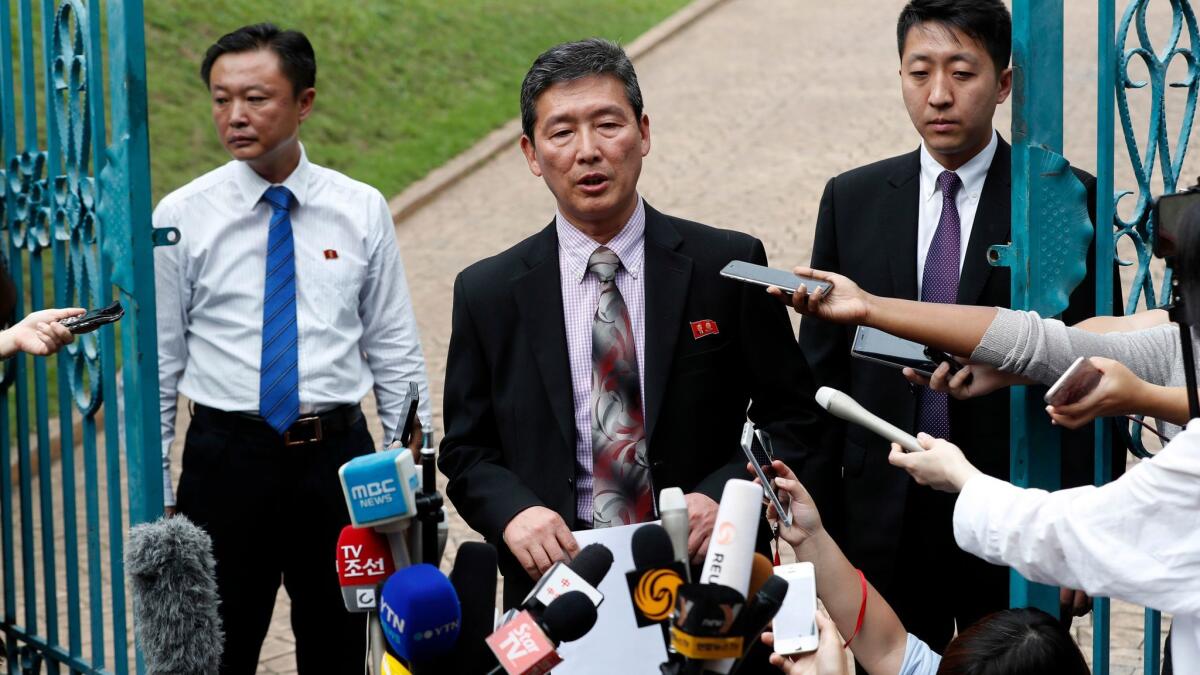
702 515
974 379
538 538
941 466
829 659
39 333
806 520
1118 393
844 303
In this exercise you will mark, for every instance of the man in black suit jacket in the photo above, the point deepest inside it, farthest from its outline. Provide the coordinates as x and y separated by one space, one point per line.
869 228
516 415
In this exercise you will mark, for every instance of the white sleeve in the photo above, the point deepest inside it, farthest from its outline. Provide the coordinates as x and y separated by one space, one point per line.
390 339
172 290
1135 539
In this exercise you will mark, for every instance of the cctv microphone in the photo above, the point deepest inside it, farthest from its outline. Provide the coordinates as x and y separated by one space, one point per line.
673 511
474 580
758 614
380 490
363 562
420 613
702 628
174 592
730 557
584 573
841 405
526 645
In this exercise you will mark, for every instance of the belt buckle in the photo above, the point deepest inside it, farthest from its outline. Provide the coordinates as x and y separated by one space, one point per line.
315 425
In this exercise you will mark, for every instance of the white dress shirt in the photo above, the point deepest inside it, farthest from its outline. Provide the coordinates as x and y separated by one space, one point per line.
581 294
972 174
354 317
1136 539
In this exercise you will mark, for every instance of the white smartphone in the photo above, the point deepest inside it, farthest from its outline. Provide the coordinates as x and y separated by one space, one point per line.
1075 383
795 625
767 277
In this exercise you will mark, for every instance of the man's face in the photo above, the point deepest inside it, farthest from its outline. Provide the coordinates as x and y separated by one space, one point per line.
254 107
588 146
951 89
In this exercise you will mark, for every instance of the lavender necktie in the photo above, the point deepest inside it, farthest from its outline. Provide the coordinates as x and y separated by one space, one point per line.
621 491
939 283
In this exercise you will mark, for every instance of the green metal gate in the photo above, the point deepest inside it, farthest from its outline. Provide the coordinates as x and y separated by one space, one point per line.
1049 235
78 466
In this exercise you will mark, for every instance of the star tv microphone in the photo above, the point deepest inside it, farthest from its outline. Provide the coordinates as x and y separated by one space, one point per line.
730 557
420 614
584 573
363 562
474 580
673 512
841 405
526 645
174 591
757 615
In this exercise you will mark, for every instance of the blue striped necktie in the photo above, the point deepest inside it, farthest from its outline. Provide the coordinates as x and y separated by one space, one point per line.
279 376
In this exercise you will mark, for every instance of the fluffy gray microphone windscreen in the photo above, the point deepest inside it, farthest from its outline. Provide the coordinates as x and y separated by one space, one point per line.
171 573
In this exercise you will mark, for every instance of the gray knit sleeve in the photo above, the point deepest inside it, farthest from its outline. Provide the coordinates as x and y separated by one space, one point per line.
1041 349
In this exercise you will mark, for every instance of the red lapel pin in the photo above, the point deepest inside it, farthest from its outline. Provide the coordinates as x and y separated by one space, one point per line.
330 254
704 327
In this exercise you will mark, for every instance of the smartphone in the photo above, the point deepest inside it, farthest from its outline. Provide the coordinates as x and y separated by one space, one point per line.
875 345
1170 216
939 356
795 624
93 319
759 458
765 276
1075 383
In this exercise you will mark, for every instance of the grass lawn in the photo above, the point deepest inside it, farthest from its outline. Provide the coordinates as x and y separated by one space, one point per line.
402 85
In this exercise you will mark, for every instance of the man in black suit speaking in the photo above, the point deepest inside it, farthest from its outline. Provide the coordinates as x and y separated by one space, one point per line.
605 358
918 226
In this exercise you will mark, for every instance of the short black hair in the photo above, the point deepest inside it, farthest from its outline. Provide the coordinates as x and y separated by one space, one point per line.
295 52
573 61
1012 642
986 21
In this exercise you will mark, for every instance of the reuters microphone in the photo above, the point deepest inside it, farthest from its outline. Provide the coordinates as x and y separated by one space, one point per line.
363 562
730 557
526 645
420 614
841 405
673 512
584 574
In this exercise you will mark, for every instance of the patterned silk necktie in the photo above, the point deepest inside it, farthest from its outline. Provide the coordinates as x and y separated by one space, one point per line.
939 283
279 377
621 489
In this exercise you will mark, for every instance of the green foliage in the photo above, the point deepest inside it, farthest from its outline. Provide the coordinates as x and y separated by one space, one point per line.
402 85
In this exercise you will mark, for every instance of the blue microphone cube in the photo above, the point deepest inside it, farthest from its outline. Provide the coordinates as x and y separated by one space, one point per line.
380 488
420 613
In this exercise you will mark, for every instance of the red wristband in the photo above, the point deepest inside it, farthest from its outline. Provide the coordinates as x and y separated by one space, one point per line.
862 610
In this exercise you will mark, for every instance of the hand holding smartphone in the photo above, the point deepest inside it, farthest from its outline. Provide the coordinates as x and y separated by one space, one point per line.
795 625
93 319
1076 382
767 277
757 446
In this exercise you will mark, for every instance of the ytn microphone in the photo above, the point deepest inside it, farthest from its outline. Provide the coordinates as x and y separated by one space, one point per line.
474 580
526 645
673 511
172 579
420 613
841 405
363 562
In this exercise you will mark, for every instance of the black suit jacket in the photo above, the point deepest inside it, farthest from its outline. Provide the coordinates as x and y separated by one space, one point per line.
867 230
509 411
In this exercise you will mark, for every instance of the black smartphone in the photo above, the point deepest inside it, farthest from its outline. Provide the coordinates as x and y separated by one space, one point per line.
1170 215
765 276
93 319
875 345
939 356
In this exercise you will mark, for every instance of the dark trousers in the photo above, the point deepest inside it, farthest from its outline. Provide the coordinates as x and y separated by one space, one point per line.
274 514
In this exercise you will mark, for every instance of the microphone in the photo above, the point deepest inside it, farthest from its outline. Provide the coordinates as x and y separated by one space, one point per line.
420 613
171 576
760 570
474 581
656 575
703 626
526 645
673 512
390 665
758 614
380 490
841 405
730 555
583 574
362 564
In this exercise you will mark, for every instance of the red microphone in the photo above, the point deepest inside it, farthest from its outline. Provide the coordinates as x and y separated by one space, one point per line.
363 562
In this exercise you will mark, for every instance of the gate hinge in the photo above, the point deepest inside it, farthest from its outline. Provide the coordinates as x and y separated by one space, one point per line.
165 236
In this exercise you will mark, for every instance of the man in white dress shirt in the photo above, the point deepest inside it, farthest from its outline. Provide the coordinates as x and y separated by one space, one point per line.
282 305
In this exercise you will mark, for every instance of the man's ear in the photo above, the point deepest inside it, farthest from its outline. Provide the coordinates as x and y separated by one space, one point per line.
1005 88
530 152
306 99
644 128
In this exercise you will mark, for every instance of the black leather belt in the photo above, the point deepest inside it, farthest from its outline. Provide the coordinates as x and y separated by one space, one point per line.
307 429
